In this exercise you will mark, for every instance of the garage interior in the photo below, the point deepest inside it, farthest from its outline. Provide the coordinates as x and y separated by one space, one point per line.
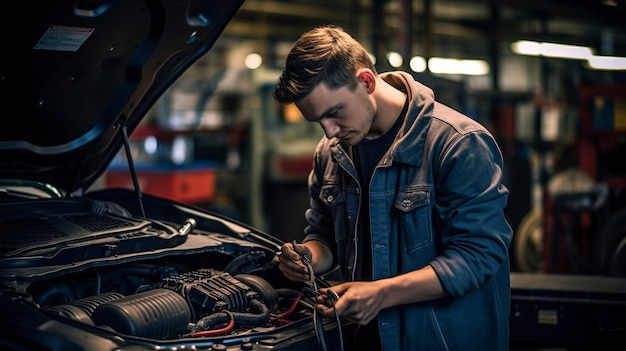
217 138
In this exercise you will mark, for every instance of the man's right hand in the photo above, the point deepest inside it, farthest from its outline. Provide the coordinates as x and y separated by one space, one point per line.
290 259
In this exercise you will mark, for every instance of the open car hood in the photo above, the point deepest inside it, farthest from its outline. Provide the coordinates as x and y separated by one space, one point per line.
77 75
112 268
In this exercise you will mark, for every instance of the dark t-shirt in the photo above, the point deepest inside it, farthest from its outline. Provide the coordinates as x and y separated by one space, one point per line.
367 154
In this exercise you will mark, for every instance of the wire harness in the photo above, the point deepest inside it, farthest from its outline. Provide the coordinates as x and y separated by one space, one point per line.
318 324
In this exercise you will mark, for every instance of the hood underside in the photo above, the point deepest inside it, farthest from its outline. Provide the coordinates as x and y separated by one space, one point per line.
76 76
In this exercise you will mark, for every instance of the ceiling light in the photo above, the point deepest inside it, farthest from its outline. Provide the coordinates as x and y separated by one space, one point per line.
253 60
417 64
534 48
456 66
607 62
150 145
395 59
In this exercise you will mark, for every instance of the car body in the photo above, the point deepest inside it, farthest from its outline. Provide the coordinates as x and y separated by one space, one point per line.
117 269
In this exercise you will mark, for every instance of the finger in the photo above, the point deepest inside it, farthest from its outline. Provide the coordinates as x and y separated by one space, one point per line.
292 275
288 266
288 252
328 294
327 311
335 291
302 250
294 265
299 249
293 270
326 300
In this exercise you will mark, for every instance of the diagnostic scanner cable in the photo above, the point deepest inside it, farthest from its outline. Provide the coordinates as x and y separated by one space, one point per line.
318 324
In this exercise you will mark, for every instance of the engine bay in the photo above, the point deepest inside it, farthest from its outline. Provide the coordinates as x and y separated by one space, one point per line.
156 301
183 274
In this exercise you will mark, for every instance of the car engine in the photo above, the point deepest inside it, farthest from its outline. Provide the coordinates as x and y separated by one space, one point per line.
199 303
181 274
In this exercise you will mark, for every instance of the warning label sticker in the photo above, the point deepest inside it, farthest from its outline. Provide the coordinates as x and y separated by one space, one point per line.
63 38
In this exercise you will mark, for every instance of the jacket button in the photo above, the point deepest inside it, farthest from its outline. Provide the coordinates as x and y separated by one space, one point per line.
330 198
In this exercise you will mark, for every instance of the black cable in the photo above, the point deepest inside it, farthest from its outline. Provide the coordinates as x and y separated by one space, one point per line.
339 328
355 340
312 287
318 325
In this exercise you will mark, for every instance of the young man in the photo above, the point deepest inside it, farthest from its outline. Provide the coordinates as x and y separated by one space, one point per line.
406 197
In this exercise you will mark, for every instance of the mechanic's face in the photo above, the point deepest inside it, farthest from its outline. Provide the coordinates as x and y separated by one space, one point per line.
344 114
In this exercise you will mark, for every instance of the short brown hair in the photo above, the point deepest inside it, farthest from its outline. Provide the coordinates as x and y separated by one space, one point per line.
324 54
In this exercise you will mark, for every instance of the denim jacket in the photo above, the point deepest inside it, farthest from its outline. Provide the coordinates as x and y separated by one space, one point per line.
436 198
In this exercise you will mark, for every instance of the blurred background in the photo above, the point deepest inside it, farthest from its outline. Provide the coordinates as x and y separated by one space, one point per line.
547 77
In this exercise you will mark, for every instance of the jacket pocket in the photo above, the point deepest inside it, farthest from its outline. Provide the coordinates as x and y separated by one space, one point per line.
414 218
333 196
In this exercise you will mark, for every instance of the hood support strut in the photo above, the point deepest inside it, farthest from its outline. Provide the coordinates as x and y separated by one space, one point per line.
133 171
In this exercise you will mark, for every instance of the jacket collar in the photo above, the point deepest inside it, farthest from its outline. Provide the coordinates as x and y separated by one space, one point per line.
409 144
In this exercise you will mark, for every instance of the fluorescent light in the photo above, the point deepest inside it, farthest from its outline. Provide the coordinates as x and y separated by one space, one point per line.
567 51
534 48
456 66
522 47
607 62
